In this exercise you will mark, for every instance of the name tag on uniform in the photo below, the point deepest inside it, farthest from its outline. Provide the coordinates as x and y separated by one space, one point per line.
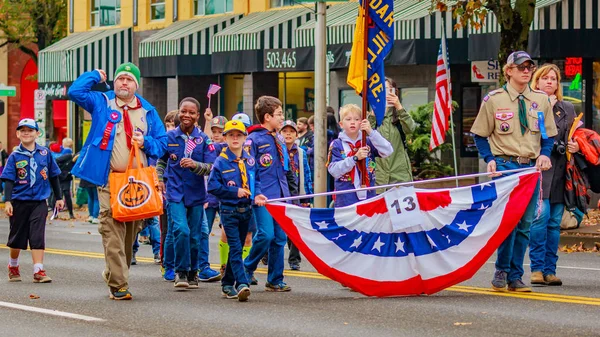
172 145
263 146
228 171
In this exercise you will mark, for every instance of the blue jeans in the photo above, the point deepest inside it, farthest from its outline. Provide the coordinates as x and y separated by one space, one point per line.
211 214
269 238
93 203
168 249
203 251
235 225
186 222
511 252
154 233
545 234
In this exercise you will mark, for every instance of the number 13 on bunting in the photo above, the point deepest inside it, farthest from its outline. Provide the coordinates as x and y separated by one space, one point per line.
403 208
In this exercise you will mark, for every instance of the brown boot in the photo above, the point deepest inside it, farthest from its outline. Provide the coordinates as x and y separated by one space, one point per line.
537 278
552 280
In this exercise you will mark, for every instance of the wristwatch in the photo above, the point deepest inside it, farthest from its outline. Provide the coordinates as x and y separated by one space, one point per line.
355 158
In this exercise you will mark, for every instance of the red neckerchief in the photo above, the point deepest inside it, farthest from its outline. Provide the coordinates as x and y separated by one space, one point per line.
126 120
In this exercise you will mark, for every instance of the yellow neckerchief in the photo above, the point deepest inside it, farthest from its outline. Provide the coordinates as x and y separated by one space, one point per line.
242 167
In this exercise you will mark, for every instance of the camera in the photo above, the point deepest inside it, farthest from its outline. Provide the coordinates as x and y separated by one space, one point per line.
560 147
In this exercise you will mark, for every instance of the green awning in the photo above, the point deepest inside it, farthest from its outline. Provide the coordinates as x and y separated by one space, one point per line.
336 14
77 53
272 29
188 37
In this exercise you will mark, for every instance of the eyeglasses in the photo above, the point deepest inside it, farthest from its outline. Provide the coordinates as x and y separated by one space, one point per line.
522 67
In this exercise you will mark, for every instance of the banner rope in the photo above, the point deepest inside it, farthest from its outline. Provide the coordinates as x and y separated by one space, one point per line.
408 183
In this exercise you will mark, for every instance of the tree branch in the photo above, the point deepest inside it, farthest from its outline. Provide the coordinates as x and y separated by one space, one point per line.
29 52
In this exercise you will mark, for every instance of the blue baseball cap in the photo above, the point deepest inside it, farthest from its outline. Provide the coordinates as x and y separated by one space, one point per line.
243 118
28 122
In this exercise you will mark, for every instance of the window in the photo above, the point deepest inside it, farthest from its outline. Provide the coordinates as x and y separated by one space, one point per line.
281 3
471 98
596 96
412 98
105 13
208 7
157 9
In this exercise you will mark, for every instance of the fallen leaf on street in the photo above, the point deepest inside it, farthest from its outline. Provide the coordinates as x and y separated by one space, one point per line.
345 323
71 225
463 323
90 233
33 297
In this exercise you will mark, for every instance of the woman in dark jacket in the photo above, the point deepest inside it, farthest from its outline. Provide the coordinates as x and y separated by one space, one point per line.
545 229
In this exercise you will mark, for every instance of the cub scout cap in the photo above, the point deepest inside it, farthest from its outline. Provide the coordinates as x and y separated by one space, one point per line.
234 125
243 118
28 122
518 58
218 122
291 124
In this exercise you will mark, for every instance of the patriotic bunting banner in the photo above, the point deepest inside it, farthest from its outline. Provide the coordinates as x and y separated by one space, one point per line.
409 241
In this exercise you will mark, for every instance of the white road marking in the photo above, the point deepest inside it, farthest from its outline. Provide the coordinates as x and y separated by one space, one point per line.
563 267
50 312
86 233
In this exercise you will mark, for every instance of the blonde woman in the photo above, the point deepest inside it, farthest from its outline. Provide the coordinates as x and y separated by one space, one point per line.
545 230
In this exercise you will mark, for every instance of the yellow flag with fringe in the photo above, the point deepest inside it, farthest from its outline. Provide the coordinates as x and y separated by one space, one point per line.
356 69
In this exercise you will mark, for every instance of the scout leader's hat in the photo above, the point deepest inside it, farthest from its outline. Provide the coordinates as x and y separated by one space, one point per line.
218 122
129 69
290 124
234 125
28 122
518 58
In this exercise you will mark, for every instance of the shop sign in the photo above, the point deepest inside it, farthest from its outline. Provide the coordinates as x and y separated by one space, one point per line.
485 71
280 60
55 90
8 91
573 66
39 99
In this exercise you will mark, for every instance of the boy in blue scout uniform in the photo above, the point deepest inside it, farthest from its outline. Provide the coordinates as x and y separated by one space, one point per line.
187 149
233 180
515 129
29 172
270 153
346 151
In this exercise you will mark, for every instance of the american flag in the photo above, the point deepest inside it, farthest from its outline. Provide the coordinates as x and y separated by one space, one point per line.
190 145
443 97
213 89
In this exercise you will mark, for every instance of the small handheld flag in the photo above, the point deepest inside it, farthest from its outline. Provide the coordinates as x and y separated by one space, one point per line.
212 89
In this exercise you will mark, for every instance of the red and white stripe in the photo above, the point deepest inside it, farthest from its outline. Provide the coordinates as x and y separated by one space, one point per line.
443 98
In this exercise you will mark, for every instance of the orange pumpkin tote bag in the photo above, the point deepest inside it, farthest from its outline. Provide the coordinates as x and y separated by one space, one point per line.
134 195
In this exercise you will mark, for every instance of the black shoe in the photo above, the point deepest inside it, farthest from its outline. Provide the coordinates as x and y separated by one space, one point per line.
133 260
192 278
265 259
294 266
181 280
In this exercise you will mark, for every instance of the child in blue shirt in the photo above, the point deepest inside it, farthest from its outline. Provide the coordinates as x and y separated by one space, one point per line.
234 182
29 173
346 151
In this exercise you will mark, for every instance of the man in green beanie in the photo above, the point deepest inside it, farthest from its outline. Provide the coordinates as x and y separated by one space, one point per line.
119 119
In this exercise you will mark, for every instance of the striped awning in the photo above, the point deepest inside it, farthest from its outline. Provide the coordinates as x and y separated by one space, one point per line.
412 20
104 49
189 37
272 29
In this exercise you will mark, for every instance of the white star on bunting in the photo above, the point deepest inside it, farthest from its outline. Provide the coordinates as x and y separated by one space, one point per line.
339 236
322 224
378 244
464 226
399 245
357 242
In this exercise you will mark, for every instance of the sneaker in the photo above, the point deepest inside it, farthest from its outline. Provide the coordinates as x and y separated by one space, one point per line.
552 280
95 221
499 281
278 288
157 259
250 276
121 294
537 278
14 275
518 286
41 277
209 275
90 218
294 266
243 292
265 259
143 240
181 280
169 275
133 260
192 278
229 292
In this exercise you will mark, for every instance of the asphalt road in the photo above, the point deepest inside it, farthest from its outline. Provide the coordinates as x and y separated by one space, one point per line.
315 307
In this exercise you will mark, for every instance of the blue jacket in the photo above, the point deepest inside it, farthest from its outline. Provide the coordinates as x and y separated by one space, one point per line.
19 169
93 163
272 174
345 171
225 179
182 183
216 149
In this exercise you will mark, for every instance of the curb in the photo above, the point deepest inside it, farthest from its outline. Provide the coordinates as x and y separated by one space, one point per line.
569 240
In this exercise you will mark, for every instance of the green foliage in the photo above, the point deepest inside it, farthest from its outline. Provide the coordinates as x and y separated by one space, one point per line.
425 164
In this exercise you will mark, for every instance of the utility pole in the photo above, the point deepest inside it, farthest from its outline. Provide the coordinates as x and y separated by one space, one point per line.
320 133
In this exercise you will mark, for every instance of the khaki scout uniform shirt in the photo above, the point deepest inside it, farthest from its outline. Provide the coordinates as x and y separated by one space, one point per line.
120 153
498 120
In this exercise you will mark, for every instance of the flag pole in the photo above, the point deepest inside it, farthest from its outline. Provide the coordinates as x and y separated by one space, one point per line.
363 163
448 84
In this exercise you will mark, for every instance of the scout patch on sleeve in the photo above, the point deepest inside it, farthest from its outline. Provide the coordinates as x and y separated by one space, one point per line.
22 173
251 161
504 116
21 164
44 173
266 160
44 152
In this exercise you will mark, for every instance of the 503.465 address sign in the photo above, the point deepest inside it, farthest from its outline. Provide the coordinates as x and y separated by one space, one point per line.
279 59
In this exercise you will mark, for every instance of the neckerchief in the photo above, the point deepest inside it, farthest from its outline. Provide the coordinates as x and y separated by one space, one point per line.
282 154
522 112
126 120
242 166
32 163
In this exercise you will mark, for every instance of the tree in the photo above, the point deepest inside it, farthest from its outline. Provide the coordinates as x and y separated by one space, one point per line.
27 22
514 17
